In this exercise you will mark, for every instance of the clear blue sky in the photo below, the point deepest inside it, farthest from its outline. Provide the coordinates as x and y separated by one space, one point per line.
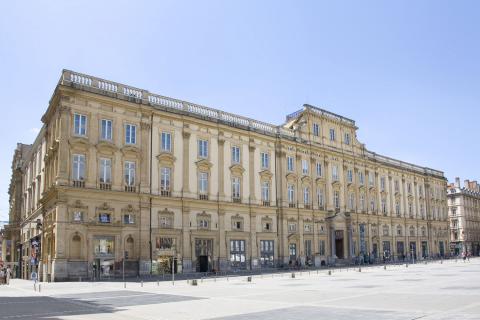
407 71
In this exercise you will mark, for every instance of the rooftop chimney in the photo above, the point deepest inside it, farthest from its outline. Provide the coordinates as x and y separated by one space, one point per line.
457 182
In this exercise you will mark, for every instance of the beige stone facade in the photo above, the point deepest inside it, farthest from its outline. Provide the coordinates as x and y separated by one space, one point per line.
118 171
464 214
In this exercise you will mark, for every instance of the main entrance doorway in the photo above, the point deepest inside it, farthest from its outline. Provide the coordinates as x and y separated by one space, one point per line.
339 244
204 255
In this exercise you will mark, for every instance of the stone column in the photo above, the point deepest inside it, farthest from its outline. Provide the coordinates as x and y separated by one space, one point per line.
251 166
186 160
221 165
329 206
188 246
253 241
222 245
59 263
350 239
61 175
145 157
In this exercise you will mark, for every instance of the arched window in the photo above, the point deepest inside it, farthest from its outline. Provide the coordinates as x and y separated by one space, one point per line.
75 247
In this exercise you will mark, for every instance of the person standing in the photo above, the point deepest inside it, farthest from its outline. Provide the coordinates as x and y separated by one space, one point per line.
8 275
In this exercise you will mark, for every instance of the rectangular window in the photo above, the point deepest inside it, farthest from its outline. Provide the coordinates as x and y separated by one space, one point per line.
372 205
164 243
130 134
166 141
238 253
236 188
292 227
316 129
371 179
290 164
397 208
165 178
318 168
166 222
361 178
105 170
203 183
266 253
334 173
306 196
265 161
336 199
396 186
321 247
349 176
332 134
382 183
304 166
351 201
291 193
78 167
235 154
266 191
80 124
320 198
104 246
202 148
106 133
78 216
128 219
362 202
130 173
308 249
347 138
104 218
384 206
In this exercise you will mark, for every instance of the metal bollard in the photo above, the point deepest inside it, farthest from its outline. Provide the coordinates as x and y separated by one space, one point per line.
293 275
39 287
35 286
124 285
249 279
141 284
384 267
360 269
329 272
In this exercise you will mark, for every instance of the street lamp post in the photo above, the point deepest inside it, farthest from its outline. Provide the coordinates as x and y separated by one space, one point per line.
173 265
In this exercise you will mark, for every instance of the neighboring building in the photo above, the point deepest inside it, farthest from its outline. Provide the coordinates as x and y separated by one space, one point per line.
464 213
12 230
119 172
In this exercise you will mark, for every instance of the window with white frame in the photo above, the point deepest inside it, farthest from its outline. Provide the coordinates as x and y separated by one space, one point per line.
307 227
166 142
235 154
166 221
265 161
332 134
316 129
347 138
304 166
105 170
362 202
334 173
265 191
371 179
236 188
290 164
292 227
78 216
80 124
203 183
203 223
202 148
165 178
336 199
106 130
128 218
319 170
320 198
361 178
351 201
384 205
382 183
291 193
130 134
306 196
130 173
349 175
78 172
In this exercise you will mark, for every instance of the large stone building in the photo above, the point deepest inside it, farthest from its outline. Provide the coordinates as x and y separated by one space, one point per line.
464 213
117 172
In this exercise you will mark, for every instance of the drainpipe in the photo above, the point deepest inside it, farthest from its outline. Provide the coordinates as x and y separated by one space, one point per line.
151 166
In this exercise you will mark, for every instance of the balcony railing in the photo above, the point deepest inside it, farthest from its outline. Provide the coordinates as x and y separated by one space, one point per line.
130 189
78 183
265 203
105 186
236 199
292 205
203 196
165 193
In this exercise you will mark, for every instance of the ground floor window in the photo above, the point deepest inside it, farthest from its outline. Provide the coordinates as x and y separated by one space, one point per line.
292 249
237 253
266 253
321 247
424 249
104 246
308 252
164 243
400 250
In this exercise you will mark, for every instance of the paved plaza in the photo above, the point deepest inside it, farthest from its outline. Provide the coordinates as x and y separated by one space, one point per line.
435 291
